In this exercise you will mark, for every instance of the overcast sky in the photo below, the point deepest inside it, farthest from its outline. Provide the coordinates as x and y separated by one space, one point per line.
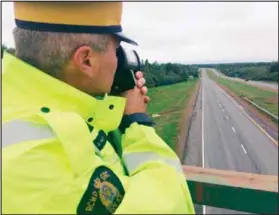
193 32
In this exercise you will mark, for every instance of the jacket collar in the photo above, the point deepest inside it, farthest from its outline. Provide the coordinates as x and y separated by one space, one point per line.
33 88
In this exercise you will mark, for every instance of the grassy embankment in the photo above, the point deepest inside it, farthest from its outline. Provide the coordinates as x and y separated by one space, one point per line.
264 98
170 102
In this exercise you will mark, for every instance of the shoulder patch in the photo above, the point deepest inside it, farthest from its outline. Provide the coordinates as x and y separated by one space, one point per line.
103 194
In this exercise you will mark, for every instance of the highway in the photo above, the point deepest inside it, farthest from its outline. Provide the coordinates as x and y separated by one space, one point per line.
223 137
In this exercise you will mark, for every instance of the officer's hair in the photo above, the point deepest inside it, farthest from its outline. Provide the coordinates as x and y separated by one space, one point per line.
50 51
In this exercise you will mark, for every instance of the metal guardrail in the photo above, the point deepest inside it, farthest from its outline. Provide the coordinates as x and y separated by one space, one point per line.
252 193
262 109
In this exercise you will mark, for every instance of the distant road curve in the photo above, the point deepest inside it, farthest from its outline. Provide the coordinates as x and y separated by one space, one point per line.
262 84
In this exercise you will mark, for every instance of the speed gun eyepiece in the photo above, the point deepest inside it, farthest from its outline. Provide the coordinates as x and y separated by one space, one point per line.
128 64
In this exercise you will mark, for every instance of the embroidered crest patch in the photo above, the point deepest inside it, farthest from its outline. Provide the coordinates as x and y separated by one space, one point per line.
103 194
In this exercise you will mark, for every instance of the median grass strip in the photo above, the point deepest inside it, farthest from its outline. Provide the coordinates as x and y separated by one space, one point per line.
264 98
169 102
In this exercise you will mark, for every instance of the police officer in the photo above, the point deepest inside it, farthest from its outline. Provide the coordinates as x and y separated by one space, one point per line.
65 149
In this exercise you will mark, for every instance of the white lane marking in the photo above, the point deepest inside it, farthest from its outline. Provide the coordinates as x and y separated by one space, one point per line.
243 111
223 110
203 207
243 149
203 125
227 117
233 130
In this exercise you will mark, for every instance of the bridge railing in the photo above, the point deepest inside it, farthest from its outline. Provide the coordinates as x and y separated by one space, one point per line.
252 193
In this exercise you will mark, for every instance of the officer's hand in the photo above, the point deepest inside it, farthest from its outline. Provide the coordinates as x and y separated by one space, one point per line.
135 101
140 84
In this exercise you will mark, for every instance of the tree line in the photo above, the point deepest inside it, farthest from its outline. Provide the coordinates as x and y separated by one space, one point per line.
264 71
159 74
10 50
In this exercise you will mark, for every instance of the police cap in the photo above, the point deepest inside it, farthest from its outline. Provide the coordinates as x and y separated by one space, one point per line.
72 17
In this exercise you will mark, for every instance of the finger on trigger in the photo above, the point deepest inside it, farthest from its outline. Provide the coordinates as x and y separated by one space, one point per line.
139 74
141 82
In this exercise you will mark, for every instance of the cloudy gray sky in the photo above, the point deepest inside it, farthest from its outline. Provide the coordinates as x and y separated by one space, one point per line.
193 32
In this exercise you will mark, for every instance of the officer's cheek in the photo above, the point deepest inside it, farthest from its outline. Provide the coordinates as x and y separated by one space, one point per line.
112 64
108 69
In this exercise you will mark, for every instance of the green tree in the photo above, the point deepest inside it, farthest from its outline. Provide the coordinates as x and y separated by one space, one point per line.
11 51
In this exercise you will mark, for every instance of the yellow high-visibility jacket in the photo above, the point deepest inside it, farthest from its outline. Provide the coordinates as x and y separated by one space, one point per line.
58 157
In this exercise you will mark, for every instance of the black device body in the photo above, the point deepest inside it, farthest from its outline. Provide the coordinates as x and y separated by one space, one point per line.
128 64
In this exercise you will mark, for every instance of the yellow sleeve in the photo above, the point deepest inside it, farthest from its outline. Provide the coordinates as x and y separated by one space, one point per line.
156 180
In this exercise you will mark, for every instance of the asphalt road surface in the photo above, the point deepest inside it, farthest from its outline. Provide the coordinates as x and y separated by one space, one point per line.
223 137
261 84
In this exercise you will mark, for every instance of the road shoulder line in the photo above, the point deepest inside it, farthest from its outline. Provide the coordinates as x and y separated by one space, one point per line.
253 121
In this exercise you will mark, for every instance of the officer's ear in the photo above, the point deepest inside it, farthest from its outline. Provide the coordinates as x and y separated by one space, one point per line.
85 59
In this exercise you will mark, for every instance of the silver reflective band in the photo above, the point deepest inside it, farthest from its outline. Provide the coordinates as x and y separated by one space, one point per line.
17 131
133 160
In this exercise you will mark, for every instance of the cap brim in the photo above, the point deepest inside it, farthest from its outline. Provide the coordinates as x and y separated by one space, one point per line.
124 38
